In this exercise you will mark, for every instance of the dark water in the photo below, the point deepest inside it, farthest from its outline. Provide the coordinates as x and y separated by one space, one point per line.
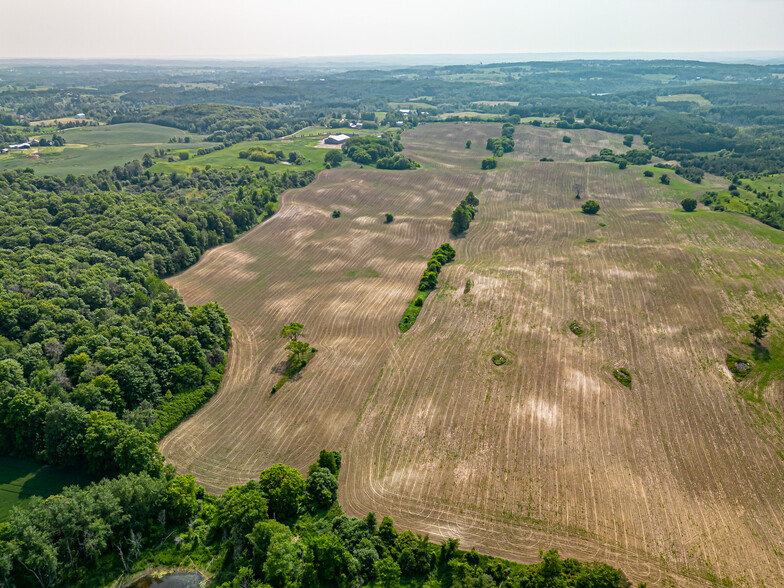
172 580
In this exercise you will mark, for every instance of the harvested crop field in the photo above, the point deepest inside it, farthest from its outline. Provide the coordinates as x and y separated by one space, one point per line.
677 480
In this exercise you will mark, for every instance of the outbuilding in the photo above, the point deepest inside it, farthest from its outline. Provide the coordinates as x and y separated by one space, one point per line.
336 139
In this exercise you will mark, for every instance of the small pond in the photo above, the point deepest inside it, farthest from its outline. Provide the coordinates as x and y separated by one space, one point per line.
171 580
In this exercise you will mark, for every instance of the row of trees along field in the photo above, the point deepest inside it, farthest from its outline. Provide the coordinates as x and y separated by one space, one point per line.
280 531
442 255
99 358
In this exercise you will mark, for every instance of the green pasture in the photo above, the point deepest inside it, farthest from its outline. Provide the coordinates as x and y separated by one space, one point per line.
91 149
230 157
746 200
21 479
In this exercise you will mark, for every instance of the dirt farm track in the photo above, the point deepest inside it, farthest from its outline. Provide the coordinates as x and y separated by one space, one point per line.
677 481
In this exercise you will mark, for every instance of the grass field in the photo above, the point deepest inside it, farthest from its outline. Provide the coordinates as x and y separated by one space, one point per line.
21 479
696 98
91 149
677 480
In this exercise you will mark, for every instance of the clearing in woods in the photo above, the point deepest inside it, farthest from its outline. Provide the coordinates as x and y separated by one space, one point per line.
677 480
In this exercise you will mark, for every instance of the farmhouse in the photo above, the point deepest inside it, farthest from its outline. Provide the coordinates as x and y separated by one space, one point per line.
20 146
336 139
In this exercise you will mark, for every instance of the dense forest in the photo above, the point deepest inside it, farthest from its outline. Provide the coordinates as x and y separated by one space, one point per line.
99 358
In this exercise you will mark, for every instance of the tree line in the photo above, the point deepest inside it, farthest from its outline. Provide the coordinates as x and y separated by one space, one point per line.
440 257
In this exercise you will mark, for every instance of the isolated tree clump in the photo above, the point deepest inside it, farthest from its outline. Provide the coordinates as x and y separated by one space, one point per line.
590 207
689 204
566 139
333 157
468 144
388 218
759 327
489 163
464 214
664 179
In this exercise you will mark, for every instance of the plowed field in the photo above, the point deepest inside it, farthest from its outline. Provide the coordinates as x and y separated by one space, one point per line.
677 481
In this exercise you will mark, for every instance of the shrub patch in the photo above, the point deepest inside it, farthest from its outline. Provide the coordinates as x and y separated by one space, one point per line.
499 359
740 368
623 376
576 328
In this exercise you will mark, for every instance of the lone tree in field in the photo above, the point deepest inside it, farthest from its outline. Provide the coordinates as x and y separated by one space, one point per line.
292 331
689 204
759 327
388 218
664 179
591 207
578 190
468 144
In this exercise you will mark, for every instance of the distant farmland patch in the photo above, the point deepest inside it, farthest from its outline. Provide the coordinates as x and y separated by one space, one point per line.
495 103
696 98
53 121
98 148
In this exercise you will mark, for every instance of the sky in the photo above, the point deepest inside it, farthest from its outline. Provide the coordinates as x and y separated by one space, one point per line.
111 29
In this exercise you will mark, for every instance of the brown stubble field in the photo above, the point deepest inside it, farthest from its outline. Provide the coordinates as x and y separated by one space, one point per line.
676 481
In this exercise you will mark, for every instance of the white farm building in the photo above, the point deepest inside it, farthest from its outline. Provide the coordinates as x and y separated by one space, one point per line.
336 139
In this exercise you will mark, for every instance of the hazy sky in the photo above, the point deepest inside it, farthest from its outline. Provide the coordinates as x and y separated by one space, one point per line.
286 28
